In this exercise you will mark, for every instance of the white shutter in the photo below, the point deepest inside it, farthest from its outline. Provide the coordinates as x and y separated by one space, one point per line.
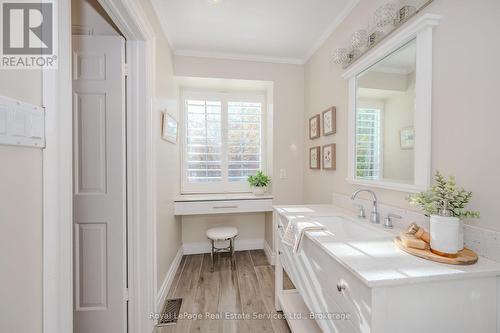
203 162
368 143
244 153
223 141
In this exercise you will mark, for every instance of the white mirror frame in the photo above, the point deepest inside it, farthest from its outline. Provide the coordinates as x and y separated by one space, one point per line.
419 29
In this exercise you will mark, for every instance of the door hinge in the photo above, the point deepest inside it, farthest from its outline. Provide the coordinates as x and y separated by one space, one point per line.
125 69
126 295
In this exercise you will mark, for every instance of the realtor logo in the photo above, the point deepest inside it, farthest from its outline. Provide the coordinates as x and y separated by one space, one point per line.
28 34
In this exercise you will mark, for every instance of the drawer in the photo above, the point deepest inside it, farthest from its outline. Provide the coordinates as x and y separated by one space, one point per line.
317 300
222 206
355 298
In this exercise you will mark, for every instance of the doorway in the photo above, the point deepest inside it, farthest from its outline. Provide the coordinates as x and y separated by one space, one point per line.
58 177
99 172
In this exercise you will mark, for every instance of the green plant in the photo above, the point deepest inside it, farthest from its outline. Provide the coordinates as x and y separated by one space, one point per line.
259 180
443 194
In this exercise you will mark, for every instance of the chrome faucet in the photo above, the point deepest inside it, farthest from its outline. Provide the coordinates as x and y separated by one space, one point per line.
374 215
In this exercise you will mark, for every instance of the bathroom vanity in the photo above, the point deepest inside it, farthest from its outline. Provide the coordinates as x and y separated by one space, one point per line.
353 278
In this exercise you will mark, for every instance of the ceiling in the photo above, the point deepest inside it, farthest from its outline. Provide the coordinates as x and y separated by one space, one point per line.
287 31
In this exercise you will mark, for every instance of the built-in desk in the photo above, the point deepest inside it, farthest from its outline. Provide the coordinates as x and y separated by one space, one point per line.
200 204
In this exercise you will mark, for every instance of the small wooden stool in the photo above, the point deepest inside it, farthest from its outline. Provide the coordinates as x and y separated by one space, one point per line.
222 234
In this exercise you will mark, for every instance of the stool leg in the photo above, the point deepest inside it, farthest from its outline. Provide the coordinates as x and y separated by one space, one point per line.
231 245
212 254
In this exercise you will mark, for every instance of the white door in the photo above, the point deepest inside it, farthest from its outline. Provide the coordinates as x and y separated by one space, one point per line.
100 268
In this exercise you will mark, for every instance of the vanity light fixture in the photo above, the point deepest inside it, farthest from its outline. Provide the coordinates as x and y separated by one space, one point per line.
386 19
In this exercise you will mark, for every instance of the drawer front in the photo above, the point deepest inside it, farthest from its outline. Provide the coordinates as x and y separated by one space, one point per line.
354 297
320 303
223 207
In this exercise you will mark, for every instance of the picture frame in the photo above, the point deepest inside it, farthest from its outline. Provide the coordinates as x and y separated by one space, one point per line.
315 158
329 121
169 128
329 157
407 137
314 127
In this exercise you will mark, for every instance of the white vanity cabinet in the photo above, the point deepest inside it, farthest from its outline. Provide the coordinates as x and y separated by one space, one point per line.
427 301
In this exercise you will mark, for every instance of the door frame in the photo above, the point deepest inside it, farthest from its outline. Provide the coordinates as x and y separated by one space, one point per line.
58 293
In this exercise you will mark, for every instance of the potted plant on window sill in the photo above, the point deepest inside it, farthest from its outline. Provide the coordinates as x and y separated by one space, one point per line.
259 183
445 204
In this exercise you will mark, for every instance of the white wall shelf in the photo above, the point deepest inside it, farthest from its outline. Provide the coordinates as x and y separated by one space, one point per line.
21 124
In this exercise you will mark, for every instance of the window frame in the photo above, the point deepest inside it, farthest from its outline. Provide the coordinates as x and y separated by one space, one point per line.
224 97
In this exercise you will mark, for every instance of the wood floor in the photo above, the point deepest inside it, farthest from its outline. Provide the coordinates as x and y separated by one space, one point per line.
244 290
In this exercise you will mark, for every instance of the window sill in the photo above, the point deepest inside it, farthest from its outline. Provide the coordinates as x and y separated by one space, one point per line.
200 204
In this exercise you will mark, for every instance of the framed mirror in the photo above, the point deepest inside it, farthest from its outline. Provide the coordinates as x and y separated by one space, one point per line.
389 125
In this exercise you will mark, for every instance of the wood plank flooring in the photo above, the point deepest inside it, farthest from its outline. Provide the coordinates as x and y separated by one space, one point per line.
230 299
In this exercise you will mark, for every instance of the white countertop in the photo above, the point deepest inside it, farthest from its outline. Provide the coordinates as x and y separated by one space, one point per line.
380 262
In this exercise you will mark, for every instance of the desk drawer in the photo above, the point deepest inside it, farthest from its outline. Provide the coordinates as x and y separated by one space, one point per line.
223 207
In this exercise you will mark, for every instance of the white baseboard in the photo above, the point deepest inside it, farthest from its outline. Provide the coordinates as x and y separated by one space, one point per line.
269 253
240 245
167 282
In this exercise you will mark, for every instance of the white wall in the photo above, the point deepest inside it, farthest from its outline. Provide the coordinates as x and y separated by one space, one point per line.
288 106
21 217
465 107
168 227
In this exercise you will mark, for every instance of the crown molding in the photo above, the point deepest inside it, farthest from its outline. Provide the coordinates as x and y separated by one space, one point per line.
238 56
331 28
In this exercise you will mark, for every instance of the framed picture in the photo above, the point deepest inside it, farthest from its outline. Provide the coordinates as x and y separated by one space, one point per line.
329 121
329 158
169 128
314 129
315 158
407 137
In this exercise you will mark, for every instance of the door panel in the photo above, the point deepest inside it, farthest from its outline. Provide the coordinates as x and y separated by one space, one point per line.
99 177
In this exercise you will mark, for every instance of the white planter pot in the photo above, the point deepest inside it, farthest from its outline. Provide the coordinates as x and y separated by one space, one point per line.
447 235
259 190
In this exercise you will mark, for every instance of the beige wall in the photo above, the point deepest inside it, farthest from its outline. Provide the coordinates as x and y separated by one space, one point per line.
250 226
465 110
288 105
168 227
21 217
399 112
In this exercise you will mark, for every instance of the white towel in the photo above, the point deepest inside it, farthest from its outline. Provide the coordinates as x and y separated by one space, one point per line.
296 229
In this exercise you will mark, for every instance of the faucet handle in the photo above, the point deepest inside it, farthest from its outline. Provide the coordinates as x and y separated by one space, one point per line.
388 220
361 213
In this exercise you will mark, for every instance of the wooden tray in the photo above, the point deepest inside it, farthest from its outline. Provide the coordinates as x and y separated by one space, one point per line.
465 257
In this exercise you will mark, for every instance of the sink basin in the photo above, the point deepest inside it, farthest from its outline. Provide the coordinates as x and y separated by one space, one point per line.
344 229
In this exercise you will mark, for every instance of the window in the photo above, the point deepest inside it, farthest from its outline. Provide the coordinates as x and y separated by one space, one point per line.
222 141
368 164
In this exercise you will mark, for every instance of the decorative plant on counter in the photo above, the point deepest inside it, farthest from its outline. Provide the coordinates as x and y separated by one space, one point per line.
444 196
259 182
445 204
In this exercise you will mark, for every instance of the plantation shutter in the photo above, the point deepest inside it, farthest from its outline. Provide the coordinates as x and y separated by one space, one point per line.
203 141
368 143
244 140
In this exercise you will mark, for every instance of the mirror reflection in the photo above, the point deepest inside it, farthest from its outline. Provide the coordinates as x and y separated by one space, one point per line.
385 112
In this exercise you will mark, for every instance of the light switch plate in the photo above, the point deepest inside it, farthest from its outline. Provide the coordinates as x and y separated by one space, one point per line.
21 124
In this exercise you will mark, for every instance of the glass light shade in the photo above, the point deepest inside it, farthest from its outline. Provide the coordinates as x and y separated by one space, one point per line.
359 39
340 56
386 15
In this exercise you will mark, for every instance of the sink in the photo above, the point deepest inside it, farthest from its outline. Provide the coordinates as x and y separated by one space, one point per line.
344 229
